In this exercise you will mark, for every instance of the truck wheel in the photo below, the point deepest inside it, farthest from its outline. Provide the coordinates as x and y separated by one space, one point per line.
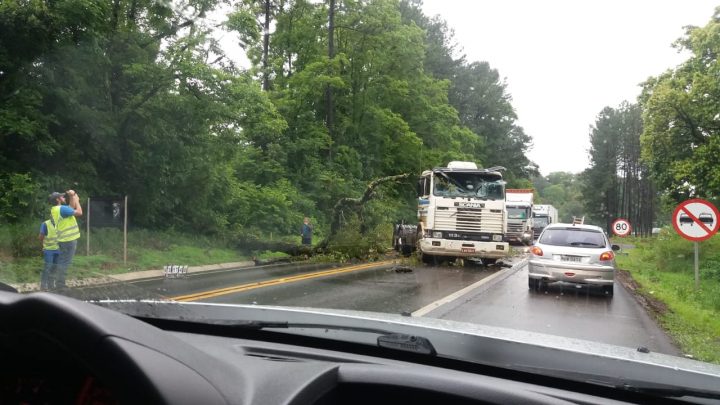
429 259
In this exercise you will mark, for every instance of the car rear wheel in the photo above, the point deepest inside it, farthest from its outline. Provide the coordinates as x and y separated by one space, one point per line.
609 290
533 284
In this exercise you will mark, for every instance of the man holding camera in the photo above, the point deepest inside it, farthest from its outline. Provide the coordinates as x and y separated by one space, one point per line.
63 215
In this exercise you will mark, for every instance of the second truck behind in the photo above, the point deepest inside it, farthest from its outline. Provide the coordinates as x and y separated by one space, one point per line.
519 205
543 215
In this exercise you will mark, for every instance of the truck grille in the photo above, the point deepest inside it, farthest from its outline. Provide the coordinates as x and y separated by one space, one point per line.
468 219
515 227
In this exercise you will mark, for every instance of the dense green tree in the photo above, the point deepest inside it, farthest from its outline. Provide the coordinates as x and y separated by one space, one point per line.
617 183
479 95
681 137
136 97
562 190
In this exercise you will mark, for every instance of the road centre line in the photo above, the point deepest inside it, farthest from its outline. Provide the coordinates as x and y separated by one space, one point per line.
457 294
276 281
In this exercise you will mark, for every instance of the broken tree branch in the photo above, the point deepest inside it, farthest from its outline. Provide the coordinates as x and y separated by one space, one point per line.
356 204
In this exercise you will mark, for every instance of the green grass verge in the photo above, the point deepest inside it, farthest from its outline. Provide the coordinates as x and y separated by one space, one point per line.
146 250
663 267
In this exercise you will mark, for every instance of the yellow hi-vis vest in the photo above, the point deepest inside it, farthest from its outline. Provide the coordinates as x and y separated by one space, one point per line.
50 242
67 228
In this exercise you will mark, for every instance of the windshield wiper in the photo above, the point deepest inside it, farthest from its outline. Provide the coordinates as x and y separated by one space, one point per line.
386 338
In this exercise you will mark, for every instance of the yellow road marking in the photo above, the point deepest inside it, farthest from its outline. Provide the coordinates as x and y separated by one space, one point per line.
277 281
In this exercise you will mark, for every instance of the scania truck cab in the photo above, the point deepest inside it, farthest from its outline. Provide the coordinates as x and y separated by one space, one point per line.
519 205
461 213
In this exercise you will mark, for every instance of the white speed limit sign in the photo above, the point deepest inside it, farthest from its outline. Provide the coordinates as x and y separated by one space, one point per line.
621 227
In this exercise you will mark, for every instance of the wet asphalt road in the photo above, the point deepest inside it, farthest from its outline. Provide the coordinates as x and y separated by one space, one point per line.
208 281
501 300
563 310
382 289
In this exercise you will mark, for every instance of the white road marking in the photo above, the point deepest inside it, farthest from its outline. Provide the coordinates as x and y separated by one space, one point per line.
457 294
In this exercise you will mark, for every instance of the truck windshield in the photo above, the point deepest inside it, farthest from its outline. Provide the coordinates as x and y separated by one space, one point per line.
478 185
516 213
540 221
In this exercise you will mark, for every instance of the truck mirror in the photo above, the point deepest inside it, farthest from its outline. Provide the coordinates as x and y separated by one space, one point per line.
421 187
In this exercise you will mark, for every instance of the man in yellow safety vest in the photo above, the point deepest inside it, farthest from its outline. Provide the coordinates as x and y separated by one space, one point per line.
51 252
68 232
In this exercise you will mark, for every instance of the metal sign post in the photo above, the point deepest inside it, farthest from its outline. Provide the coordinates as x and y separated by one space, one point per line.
696 220
697 266
125 233
87 239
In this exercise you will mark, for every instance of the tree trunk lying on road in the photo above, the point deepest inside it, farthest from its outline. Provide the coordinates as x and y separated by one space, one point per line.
276 246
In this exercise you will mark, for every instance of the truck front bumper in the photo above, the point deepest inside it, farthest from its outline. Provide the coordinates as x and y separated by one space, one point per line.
525 237
463 248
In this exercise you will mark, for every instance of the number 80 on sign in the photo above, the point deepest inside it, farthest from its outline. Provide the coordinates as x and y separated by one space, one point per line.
621 227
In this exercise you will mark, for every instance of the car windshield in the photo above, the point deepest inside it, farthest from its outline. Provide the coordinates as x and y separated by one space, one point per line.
573 237
354 155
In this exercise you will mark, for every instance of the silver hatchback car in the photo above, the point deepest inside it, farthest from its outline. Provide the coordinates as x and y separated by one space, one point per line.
573 253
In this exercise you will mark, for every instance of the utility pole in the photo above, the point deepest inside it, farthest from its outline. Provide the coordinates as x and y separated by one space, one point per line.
329 107
266 48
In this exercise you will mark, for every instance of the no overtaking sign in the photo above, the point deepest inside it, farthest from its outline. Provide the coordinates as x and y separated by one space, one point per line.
696 220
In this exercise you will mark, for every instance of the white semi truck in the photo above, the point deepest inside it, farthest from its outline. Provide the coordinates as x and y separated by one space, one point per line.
461 213
543 215
519 206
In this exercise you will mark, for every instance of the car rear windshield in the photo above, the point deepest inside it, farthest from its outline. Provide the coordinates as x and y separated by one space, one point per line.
573 237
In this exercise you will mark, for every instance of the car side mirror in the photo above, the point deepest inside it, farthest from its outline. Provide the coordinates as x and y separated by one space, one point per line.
615 247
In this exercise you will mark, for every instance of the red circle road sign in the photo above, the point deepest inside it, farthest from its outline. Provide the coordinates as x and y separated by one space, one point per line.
621 227
696 220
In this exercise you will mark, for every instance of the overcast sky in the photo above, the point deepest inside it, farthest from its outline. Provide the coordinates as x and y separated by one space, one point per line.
566 60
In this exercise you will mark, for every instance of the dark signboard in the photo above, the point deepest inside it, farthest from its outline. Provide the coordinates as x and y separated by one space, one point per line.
106 212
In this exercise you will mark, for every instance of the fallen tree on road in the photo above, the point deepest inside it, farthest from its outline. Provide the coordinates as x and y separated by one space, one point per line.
343 206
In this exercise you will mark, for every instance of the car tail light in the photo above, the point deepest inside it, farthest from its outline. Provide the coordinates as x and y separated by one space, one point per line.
609 255
536 251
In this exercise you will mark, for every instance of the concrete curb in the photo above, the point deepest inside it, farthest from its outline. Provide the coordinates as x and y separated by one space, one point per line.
135 276
139 275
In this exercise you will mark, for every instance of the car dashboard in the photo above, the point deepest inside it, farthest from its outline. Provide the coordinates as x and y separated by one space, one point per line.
58 350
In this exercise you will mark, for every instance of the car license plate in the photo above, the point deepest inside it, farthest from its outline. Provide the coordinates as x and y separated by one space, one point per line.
574 259
467 250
